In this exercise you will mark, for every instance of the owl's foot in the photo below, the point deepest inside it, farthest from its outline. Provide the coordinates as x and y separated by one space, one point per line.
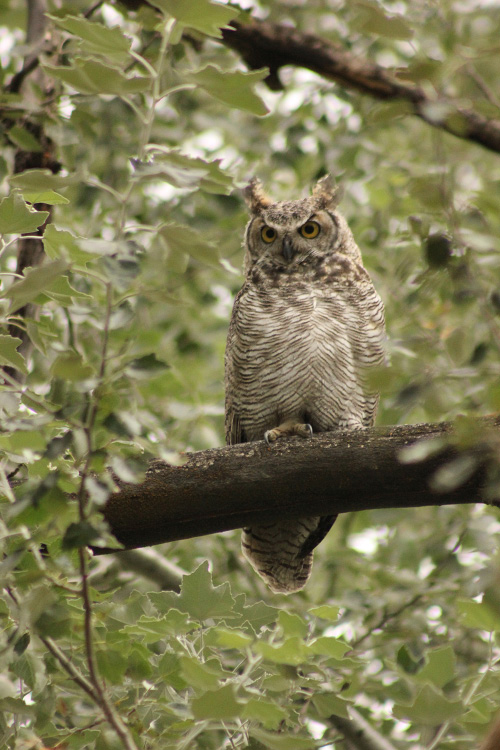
286 429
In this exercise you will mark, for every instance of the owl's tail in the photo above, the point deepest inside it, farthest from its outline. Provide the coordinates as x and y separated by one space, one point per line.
282 553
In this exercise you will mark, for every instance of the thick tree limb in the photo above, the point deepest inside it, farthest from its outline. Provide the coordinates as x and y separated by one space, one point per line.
237 486
273 45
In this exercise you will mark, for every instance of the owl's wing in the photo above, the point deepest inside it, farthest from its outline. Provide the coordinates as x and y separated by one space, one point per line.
369 340
234 432
233 428
325 523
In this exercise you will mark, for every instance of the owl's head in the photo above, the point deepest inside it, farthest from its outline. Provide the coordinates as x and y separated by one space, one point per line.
294 233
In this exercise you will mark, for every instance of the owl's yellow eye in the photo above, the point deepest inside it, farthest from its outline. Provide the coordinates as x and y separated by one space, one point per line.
310 230
268 234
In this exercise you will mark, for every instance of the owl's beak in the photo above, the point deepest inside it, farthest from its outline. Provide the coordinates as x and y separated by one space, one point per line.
287 248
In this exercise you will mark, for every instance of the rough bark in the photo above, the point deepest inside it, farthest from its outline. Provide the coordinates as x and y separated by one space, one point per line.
236 486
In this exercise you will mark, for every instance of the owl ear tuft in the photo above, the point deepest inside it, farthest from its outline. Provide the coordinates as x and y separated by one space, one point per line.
326 193
255 197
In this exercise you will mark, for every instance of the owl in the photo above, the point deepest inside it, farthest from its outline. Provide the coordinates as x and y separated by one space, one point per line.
306 328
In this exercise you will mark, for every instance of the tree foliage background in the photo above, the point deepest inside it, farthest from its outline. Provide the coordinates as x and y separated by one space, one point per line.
154 123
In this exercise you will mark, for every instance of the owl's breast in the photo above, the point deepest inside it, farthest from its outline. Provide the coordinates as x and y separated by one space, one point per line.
294 355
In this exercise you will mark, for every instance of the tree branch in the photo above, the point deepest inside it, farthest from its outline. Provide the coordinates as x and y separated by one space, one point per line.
236 486
273 45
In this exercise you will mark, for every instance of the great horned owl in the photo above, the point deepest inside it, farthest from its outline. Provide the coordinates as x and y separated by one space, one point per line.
305 327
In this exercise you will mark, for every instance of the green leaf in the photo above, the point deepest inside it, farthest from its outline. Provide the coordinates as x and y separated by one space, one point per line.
198 597
479 712
7 688
79 534
256 615
199 675
231 638
429 191
62 292
70 366
84 739
16 706
36 280
93 77
326 612
22 644
25 140
329 704
21 440
478 615
202 15
40 180
292 651
139 666
9 355
233 88
292 624
184 171
329 647
407 661
47 196
97 38
217 704
439 667
454 473
29 667
112 665
54 621
373 20
268 714
421 450
282 741
59 243
183 239
148 363
430 708
151 629
17 218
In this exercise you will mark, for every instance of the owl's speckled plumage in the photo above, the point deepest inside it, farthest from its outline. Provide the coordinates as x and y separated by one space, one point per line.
306 325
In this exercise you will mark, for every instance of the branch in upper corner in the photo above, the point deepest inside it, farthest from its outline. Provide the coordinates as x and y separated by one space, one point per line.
240 485
273 45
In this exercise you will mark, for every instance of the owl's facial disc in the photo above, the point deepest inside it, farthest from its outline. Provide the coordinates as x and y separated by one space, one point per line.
290 234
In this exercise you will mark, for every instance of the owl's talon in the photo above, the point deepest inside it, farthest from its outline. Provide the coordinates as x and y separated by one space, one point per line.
270 436
304 430
308 431
286 429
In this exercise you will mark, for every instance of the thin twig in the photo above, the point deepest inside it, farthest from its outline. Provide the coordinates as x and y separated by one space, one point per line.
70 668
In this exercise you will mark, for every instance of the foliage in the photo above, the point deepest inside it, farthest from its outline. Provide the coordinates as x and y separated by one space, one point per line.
156 124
